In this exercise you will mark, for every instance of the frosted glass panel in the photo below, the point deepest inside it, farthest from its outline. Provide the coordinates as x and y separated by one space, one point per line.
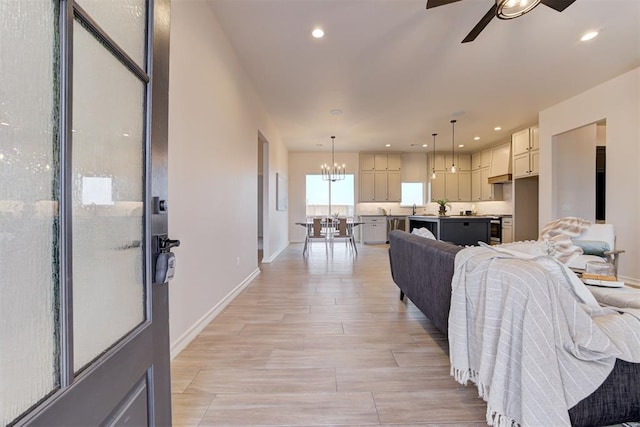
124 21
28 206
108 171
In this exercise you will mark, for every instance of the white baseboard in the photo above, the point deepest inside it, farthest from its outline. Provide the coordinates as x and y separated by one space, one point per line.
181 343
630 281
274 256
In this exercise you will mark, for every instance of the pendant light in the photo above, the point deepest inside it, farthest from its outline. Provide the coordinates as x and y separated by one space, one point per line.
433 160
334 172
453 141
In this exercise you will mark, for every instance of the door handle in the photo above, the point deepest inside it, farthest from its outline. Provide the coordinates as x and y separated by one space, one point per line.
165 264
166 244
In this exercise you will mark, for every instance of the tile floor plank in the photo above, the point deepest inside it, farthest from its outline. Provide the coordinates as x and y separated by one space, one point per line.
300 409
237 380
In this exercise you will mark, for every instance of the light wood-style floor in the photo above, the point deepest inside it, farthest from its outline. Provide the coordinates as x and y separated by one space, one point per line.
322 340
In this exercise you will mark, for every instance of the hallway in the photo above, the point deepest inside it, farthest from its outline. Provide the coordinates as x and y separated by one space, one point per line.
321 341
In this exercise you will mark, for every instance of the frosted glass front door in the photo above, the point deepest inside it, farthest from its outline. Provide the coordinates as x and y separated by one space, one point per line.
125 21
28 206
108 192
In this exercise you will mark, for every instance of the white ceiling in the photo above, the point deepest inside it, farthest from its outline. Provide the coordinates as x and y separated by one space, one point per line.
400 73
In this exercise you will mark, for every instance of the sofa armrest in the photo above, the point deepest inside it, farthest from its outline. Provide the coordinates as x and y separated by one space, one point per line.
423 268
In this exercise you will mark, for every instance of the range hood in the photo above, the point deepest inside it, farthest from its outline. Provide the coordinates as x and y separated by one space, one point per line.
500 179
500 169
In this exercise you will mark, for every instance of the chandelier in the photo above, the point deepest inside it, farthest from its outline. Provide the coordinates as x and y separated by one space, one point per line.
333 173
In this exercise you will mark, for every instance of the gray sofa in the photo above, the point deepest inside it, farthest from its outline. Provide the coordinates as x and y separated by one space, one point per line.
423 268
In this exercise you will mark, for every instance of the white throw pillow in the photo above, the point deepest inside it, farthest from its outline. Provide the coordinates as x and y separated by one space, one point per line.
423 232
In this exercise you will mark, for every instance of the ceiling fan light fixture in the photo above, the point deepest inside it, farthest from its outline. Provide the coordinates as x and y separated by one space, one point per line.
509 9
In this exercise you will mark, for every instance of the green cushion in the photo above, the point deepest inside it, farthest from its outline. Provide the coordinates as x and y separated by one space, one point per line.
592 247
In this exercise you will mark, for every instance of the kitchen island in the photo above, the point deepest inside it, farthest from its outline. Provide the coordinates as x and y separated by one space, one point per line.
460 230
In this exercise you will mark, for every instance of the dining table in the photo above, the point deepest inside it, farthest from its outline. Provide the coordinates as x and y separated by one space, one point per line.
329 227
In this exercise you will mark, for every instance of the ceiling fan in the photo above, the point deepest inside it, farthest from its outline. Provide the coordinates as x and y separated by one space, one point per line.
504 9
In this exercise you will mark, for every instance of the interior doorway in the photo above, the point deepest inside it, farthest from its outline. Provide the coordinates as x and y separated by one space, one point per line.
262 190
580 172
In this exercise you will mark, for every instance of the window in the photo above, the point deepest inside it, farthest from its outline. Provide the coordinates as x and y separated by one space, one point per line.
325 198
412 194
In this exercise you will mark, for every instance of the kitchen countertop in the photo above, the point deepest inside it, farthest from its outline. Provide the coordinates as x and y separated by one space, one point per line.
445 217
393 215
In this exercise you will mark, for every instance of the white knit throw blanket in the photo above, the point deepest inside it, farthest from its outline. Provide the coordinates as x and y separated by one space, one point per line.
557 234
522 336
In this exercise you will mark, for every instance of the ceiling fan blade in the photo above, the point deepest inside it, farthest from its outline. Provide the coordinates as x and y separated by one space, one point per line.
436 3
558 5
481 25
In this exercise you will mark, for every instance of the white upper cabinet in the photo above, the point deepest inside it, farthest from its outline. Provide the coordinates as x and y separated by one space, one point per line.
440 162
525 153
380 177
521 144
486 158
394 162
476 161
381 162
367 162
462 161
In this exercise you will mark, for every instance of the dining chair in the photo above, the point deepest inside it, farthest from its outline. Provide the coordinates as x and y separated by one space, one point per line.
315 232
344 231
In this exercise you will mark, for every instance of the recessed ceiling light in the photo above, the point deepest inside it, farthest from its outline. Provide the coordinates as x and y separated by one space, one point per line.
424 145
476 138
461 146
125 134
336 112
317 33
387 145
4 124
497 128
588 36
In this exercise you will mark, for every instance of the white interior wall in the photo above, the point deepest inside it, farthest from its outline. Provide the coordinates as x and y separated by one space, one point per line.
214 119
575 174
618 102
